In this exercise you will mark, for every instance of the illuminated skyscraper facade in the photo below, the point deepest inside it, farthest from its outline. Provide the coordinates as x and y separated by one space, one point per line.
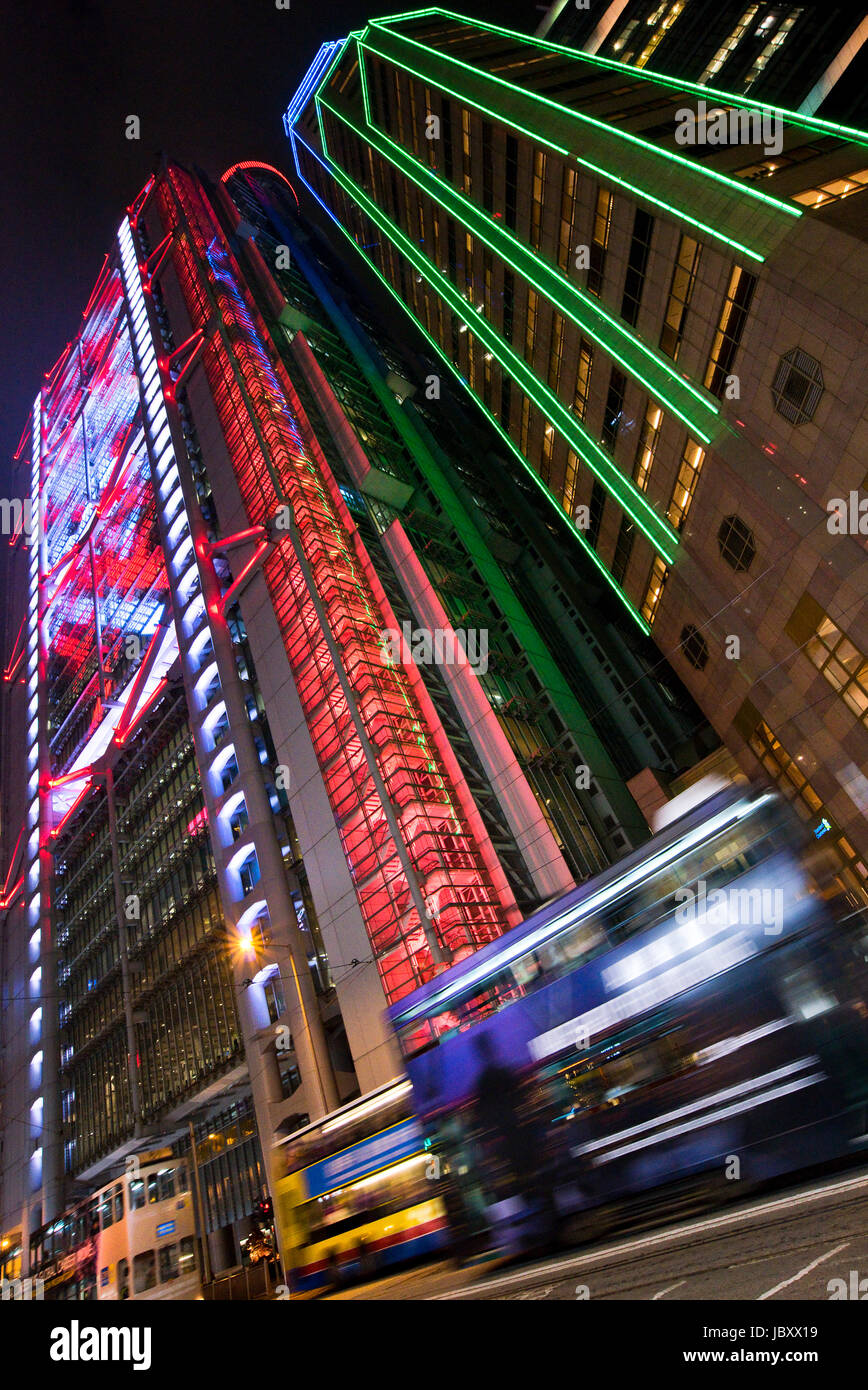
654 290
294 715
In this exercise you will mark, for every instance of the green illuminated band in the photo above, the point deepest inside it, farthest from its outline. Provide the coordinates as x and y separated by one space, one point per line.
542 140
573 303
735 185
660 534
796 118
432 342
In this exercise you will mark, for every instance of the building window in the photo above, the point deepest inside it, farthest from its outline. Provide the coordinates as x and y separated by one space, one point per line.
737 544
596 509
465 152
487 166
798 386
836 657
680 295
570 480
525 425
614 408
637 261
649 436
685 484
511 184
730 326
661 20
836 188
773 45
556 351
654 590
530 326
537 198
508 304
569 185
729 46
583 379
623 549
695 647
602 227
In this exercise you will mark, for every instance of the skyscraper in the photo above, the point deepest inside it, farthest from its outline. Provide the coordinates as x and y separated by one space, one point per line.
306 706
653 289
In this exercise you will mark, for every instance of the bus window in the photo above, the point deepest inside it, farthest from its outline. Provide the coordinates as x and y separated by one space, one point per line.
187 1259
119 1202
144 1271
137 1193
123 1279
106 1210
168 1263
166 1185
153 1187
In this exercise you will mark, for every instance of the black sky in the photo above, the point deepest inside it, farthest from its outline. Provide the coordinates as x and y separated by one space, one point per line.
208 79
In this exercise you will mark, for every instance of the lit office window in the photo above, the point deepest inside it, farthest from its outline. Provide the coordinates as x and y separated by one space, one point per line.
465 151
648 438
661 22
530 325
602 227
733 317
680 295
654 590
833 190
729 46
569 186
583 379
772 46
685 484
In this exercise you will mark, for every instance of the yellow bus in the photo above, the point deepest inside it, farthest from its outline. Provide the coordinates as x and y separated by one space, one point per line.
358 1194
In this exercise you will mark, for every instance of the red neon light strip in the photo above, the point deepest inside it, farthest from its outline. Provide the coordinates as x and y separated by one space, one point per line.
157 691
13 861
237 583
74 807
8 898
253 533
255 164
138 682
73 776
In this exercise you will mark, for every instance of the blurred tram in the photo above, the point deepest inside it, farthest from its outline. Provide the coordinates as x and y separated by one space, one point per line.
357 1193
693 1019
135 1238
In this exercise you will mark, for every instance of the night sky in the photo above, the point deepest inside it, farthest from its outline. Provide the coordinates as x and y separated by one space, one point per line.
209 83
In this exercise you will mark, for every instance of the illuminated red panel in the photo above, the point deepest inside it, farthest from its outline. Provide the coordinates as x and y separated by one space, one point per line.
467 909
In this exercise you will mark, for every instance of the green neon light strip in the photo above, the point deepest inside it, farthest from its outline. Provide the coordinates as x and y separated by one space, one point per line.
534 476
658 532
366 101
646 74
597 169
570 300
645 145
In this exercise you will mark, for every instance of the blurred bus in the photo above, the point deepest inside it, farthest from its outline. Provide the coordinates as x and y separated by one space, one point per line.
135 1238
693 1019
357 1194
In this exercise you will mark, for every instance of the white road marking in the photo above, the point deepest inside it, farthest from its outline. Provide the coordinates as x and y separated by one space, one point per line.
568 1263
794 1279
669 1289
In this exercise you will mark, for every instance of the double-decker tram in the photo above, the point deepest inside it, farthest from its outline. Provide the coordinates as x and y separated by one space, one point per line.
357 1194
135 1238
693 1018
